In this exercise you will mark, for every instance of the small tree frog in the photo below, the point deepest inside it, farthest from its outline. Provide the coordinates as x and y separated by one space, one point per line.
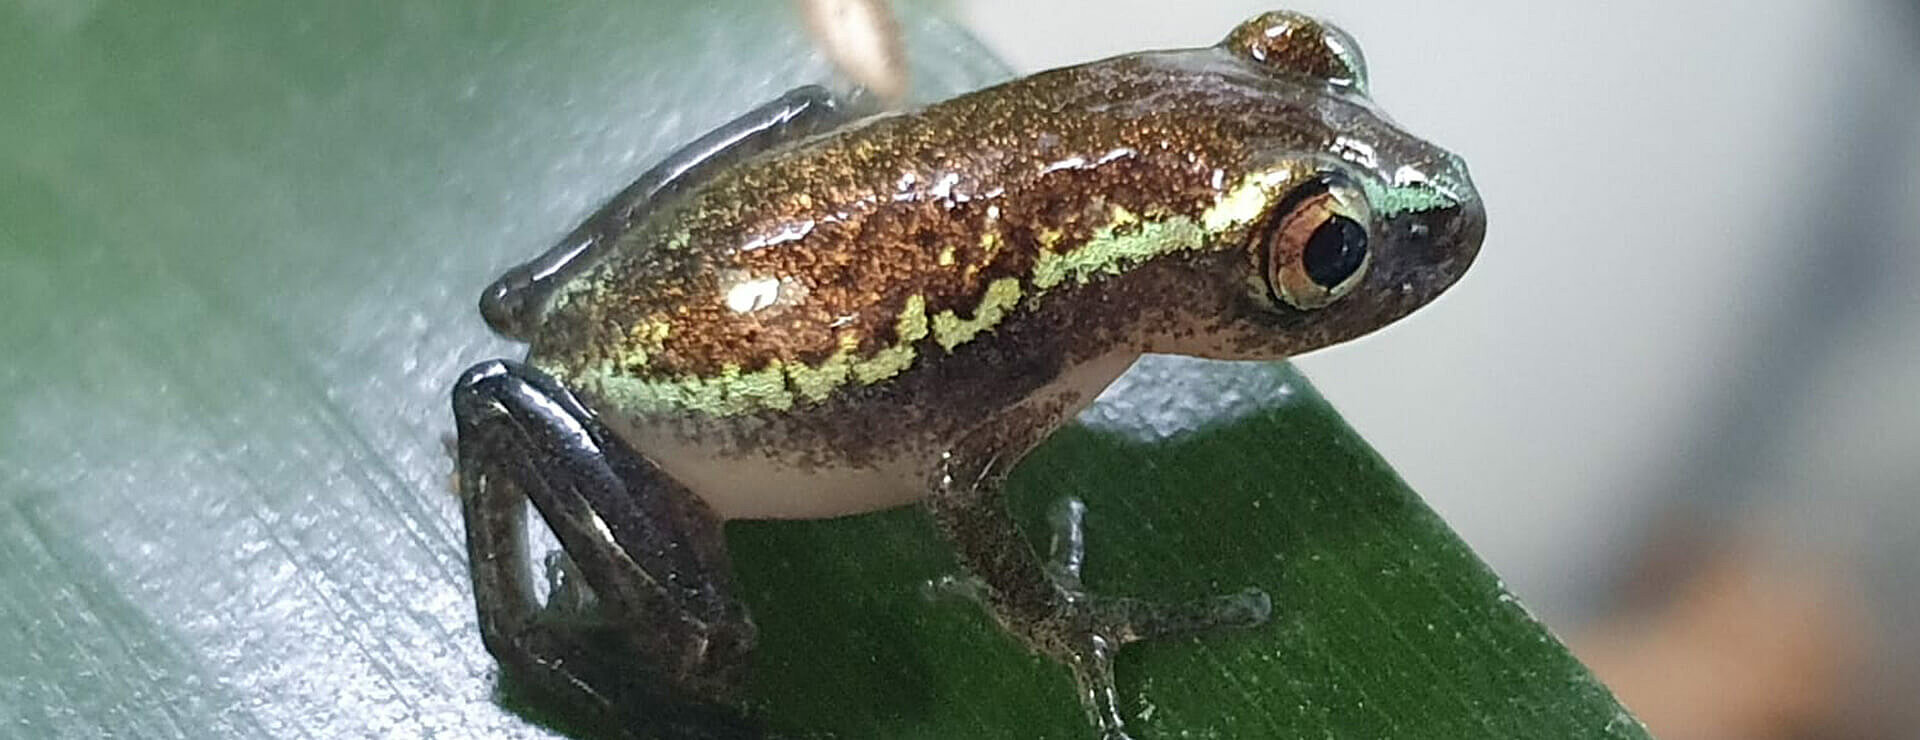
810 313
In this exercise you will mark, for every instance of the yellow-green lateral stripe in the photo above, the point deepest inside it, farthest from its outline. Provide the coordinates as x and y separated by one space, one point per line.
780 385
951 331
730 392
1246 200
1114 248
1128 240
1125 241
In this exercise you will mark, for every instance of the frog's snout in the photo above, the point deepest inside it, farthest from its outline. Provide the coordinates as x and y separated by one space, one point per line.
1448 237
1442 242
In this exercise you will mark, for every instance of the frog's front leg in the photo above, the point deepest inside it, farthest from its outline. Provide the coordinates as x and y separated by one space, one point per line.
1044 605
663 651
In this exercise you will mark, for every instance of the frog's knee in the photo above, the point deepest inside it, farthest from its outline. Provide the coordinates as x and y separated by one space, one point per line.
480 375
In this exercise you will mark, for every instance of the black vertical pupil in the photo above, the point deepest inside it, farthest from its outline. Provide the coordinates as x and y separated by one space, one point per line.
1335 251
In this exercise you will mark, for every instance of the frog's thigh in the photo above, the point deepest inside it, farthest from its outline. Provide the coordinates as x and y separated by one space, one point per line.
513 304
628 527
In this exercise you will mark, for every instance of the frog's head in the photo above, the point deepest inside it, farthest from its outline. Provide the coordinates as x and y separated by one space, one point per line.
1339 223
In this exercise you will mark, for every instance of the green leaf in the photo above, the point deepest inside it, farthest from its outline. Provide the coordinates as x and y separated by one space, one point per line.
240 245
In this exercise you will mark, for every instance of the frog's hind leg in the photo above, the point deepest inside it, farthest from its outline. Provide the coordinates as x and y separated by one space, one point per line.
669 641
1044 603
512 305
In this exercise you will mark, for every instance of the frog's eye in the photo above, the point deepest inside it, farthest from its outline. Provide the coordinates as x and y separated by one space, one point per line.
1316 243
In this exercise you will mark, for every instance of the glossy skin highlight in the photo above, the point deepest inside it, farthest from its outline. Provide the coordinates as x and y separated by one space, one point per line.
902 307
879 272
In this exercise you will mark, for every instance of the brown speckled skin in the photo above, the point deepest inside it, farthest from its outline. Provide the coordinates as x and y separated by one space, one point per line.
886 196
1135 204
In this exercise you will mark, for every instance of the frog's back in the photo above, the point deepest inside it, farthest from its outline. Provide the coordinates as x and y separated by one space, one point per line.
843 258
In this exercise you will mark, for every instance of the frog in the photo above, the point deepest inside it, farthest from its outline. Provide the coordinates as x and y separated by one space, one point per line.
818 310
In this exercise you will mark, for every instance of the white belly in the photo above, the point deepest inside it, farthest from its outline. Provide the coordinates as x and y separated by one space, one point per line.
762 487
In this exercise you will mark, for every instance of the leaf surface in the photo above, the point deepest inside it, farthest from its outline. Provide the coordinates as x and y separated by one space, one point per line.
240 245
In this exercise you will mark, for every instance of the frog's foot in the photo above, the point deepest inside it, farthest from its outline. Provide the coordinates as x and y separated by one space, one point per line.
1066 559
641 629
1045 605
1085 630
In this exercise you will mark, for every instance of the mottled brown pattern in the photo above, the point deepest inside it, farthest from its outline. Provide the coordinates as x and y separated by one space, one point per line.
1186 124
935 402
1133 202
879 222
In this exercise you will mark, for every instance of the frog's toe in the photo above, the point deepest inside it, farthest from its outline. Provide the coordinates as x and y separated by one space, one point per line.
1068 555
1091 629
1132 620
